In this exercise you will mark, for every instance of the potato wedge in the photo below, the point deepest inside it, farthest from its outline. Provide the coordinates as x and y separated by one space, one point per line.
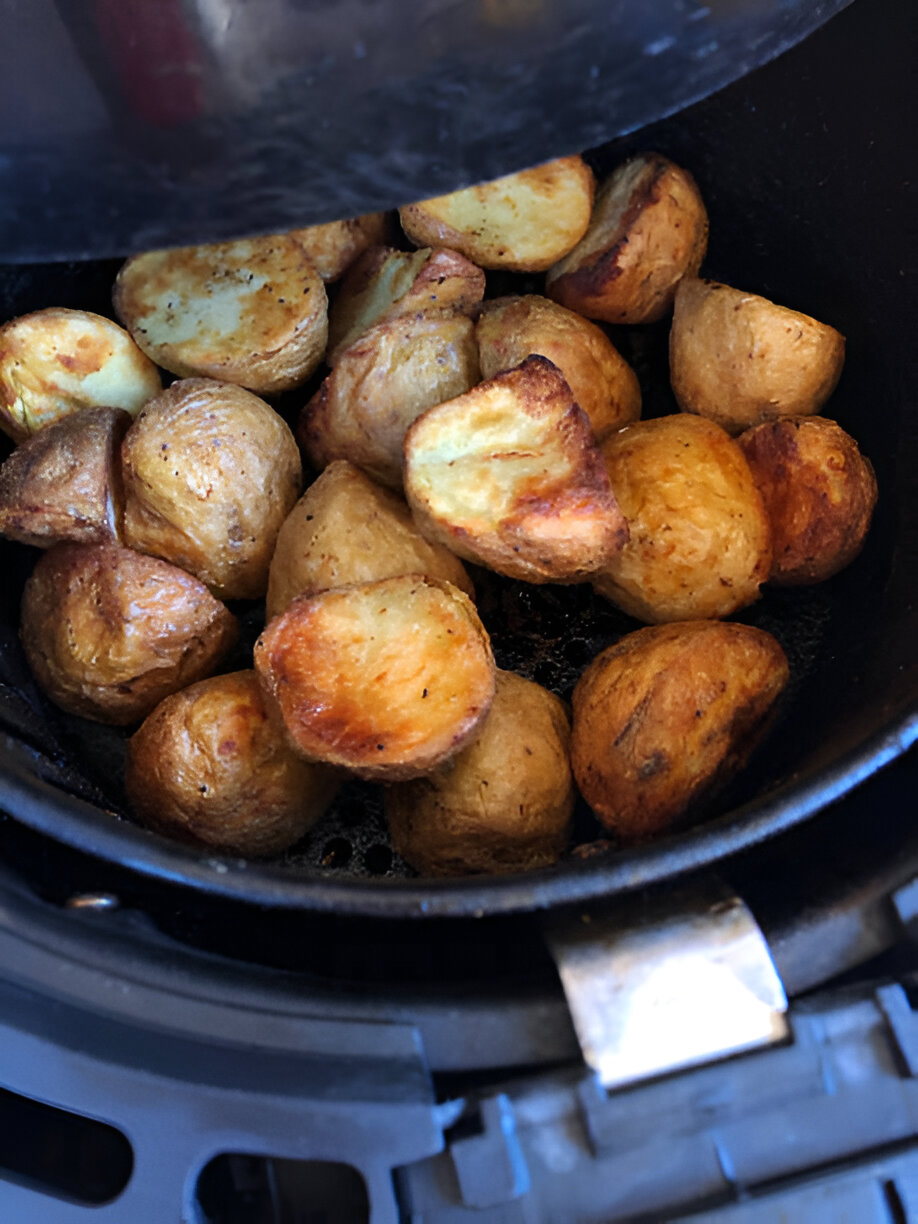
386 679
510 329
333 247
509 475
345 530
522 222
252 312
56 362
739 359
382 383
649 229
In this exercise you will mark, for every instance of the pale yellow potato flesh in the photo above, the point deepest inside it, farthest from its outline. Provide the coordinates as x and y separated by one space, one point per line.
333 247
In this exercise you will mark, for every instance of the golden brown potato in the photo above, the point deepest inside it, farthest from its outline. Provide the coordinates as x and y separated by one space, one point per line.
252 312
700 543
56 362
739 359
819 493
382 383
509 475
333 247
384 284
649 229
511 329
108 633
345 530
208 766
504 803
522 222
667 714
386 679
210 473
64 483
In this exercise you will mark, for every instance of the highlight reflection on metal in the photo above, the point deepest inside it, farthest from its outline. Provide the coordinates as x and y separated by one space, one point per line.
686 980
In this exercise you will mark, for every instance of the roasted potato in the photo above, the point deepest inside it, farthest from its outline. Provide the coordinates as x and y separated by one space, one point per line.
108 633
700 542
56 362
819 493
64 483
384 284
509 475
333 247
252 312
739 359
382 383
511 329
504 803
345 530
386 679
522 222
668 713
648 230
208 766
210 473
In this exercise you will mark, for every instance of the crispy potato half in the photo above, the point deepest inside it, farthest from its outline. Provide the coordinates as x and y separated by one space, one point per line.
819 493
384 284
502 804
700 541
209 767
386 679
509 475
56 362
510 329
64 483
382 383
333 247
648 230
346 530
252 312
739 359
667 714
210 473
108 632
522 222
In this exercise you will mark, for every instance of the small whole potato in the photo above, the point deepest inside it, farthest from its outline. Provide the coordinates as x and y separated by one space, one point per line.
739 359
210 473
819 493
502 804
667 714
108 632
333 247
208 766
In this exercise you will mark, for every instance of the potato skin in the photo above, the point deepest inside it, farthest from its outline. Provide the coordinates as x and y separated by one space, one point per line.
56 362
64 483
740 359
510 329
521 222
819 493
386 679
648 230
108 632
502 804
210 473
700 542
209 767
333 247
345 530
667 714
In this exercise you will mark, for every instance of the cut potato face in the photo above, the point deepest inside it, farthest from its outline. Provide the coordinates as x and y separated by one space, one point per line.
509 475
333 247
386 679
252 312
345 530
511 329
522 222
382 383
739 359
649 229
56 362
